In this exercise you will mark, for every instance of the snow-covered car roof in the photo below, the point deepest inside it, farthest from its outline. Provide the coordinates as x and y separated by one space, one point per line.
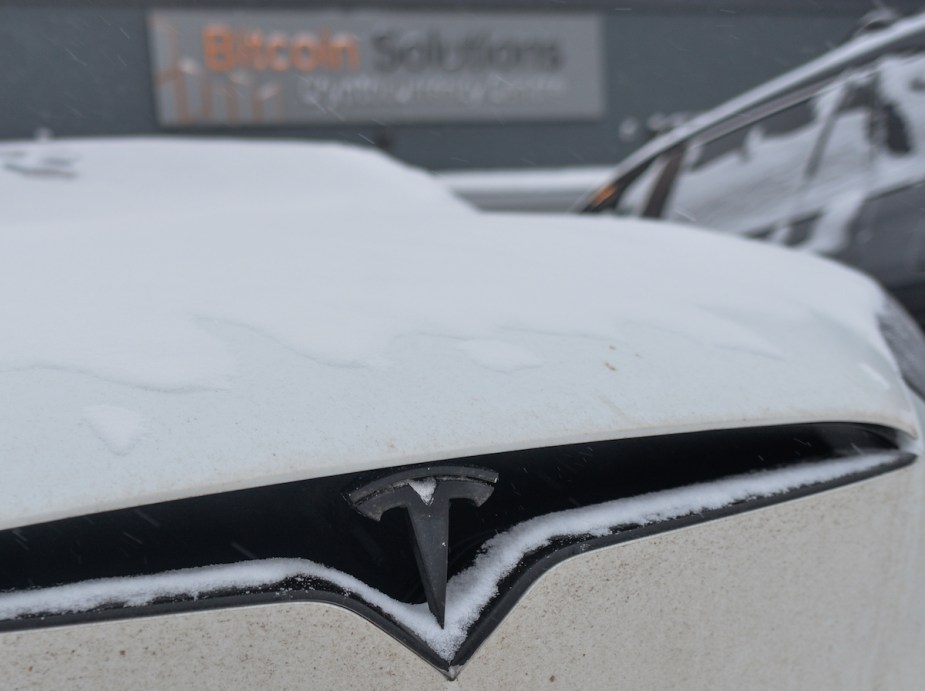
188 316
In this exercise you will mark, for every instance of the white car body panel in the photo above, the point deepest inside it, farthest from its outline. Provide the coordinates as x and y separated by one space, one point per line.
186 317
547 190
822 592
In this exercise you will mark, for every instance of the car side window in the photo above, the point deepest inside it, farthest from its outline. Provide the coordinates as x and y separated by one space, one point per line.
727 144
887 234
741 175
664 183
844 153
900 106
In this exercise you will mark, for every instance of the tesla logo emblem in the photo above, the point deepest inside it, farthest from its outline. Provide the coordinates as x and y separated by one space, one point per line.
426 493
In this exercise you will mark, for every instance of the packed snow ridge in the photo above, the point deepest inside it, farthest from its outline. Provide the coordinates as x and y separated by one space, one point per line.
468 592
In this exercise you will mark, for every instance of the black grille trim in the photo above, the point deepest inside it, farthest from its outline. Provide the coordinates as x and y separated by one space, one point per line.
547 480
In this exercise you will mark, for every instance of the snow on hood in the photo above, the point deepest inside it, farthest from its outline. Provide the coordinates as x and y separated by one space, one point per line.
188 316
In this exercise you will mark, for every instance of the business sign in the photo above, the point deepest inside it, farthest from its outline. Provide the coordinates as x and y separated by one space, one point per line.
286 67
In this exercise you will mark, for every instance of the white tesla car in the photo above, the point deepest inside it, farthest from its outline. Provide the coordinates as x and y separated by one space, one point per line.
289 415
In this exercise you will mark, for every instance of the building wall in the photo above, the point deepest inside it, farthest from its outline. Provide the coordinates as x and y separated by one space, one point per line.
82 70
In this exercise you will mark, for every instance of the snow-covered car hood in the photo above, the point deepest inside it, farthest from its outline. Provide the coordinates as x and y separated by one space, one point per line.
183 317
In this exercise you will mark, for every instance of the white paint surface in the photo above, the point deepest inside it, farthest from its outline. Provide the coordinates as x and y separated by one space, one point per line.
574 178
526 189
